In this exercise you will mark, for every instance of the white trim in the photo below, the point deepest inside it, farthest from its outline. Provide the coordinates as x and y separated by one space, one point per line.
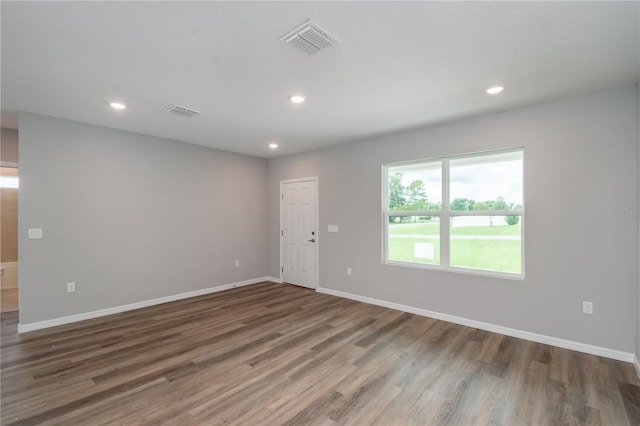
385 217
302 179
24 328
636 364
534 337
445 217
456 270
317 236
274 279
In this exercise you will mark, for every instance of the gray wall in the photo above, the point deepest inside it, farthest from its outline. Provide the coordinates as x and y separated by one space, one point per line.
130 217
581 159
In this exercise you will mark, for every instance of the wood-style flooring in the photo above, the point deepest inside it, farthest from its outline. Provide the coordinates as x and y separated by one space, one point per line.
276 354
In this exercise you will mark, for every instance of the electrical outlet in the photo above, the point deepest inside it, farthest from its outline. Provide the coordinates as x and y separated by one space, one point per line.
587 307
237 263
71 287
349 271
35 233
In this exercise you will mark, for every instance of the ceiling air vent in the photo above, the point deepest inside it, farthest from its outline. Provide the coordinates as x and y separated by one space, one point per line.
310 38
182 111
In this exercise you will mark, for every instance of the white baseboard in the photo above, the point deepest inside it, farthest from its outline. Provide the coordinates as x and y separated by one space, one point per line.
553 341
539 338
24 328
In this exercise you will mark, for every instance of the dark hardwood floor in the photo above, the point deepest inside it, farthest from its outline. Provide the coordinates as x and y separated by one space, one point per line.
277 354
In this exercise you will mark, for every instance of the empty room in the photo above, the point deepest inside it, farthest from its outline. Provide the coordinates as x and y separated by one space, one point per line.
320 213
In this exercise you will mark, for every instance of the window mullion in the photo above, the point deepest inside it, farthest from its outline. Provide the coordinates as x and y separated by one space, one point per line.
444 216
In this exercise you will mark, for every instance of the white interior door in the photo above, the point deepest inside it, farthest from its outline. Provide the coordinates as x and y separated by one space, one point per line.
299 233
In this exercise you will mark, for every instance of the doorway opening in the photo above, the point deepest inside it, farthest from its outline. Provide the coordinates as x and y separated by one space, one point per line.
8 237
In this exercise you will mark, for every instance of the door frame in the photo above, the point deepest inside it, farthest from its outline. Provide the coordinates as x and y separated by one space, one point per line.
12 165
317 259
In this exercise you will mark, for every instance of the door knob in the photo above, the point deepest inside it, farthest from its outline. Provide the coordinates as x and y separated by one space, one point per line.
313 240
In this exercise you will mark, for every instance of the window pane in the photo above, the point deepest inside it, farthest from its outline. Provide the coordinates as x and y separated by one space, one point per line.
486 182
490 243
414 239
415 187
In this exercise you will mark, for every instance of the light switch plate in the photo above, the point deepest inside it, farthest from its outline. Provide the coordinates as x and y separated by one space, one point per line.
332 228
35 233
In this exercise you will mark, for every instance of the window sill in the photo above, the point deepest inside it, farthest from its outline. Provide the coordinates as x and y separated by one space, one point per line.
465 271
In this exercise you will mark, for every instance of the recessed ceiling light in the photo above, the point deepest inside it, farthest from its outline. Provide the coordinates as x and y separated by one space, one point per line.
273 145
296 99
117 105
494 90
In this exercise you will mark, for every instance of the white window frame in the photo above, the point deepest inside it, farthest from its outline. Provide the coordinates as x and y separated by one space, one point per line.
445 215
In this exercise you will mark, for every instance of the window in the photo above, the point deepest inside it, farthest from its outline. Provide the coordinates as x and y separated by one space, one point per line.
456 213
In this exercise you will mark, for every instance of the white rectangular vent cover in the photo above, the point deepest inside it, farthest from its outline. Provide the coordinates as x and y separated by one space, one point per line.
180 110
310 38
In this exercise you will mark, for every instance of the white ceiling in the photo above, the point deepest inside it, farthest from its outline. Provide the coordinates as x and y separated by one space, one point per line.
399 65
